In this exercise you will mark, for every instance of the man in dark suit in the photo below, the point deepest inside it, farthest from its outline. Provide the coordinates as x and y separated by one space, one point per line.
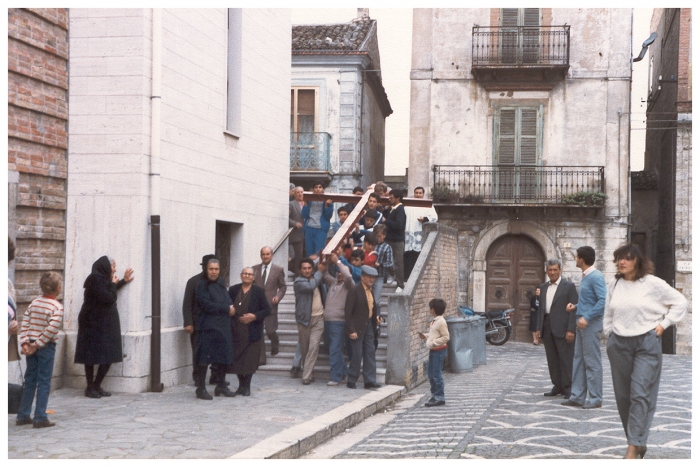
557 327
361 323
296 236
271 278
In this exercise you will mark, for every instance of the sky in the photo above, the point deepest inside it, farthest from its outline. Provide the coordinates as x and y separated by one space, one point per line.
394 28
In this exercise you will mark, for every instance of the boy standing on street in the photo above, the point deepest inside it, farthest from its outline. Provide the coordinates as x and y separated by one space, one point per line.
436 341
37 337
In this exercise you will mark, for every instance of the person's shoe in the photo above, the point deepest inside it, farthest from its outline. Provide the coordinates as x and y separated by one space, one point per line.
203 394
245 391
570 403
398 290
588 405
24 421
391 283
332 383
351 386
103 393
43 424
434 403
92 393
212 380
566 395
223 391
554 392
306 382
372 386
295 372
432 399
275 349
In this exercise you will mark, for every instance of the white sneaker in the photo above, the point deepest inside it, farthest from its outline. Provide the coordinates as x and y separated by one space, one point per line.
398 290
332 383
391 283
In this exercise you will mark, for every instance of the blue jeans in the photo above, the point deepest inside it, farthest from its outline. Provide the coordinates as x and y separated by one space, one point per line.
37 379
335 331
314 240
437 385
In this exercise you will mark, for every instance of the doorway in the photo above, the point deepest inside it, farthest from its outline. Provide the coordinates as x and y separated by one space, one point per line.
514 268
229 250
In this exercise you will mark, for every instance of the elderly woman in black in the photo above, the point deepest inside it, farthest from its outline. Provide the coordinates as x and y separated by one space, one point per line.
252 308
99 333
639 308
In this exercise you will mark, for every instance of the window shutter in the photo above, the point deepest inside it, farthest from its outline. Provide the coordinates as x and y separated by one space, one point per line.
528 136
509 17
531 17
506 137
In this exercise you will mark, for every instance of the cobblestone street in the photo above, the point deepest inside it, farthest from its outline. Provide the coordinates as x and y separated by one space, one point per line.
498 411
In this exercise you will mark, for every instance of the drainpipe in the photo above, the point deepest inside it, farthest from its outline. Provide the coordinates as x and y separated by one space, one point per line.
154 175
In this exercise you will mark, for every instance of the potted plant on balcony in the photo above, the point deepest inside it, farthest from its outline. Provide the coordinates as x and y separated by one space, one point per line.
586 199
442 193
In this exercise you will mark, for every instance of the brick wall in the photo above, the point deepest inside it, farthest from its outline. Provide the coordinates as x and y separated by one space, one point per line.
37 143
407 356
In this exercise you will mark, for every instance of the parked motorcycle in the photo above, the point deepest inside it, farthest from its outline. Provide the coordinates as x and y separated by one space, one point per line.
498 325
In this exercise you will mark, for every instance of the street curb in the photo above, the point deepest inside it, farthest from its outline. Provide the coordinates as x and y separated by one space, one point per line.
297 440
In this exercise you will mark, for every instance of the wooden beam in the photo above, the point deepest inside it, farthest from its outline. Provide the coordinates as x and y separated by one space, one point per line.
353 199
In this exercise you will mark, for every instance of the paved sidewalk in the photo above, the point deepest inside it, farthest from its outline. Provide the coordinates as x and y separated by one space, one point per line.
174 424
498 411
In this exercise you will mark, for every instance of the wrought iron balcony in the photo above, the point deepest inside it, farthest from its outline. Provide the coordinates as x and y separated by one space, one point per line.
519 185
521 54
309 152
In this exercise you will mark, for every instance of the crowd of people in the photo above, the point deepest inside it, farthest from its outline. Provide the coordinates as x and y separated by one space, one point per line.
632 312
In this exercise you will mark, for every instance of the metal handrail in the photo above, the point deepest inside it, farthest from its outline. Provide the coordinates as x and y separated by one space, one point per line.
520 46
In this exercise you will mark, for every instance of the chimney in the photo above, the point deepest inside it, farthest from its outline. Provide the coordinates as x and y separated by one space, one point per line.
363 13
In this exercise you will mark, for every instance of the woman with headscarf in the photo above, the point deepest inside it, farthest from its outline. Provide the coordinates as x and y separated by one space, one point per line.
638 309
252 308
99 332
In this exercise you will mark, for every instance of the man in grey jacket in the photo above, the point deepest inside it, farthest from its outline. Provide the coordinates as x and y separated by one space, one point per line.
309 298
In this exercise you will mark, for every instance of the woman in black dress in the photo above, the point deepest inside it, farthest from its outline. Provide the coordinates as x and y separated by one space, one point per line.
534 309
99 333
252 308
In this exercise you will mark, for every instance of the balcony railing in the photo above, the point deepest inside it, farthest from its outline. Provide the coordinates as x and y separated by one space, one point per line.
309 152
551 185
521 46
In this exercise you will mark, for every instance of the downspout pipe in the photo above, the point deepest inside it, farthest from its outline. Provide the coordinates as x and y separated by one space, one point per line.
154 176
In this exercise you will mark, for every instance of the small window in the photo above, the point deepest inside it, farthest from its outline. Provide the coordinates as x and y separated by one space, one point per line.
233 76
304 114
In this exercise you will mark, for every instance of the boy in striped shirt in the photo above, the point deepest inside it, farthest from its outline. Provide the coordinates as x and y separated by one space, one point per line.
38 336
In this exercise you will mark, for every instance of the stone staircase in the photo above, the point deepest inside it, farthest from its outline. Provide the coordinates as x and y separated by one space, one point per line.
288 335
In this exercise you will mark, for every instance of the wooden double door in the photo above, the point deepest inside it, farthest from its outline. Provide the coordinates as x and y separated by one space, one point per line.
514 268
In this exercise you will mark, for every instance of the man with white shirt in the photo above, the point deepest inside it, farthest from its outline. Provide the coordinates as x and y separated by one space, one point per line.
415 218
271 278
587 371
557 327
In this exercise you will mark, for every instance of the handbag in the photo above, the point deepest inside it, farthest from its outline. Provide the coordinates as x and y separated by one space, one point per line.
15 393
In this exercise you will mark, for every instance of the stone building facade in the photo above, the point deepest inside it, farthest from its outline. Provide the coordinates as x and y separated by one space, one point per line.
520 127
182 114
339 105
662 192
37 143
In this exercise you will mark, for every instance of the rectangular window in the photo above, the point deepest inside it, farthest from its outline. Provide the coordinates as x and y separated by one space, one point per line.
233 76
517 151
304 110
520 35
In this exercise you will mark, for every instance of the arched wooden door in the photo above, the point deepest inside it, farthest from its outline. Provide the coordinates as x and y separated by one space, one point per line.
514 268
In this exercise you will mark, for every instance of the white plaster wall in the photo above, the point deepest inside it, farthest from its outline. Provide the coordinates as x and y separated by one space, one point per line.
205 174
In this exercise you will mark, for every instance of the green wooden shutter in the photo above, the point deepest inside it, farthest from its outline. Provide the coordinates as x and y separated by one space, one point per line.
528 136
506 137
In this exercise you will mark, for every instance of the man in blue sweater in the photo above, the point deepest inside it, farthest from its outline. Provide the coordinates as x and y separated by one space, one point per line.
587 376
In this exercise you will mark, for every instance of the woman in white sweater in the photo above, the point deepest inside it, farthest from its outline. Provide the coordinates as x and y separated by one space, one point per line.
640 306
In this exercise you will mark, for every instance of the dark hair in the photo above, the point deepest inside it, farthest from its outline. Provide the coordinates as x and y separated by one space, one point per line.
372 214
49 282
371 239
376 195
587 254
306 260
358 254
438 305
379 229
358 188
631 251
10 249
344 208
318 182
419 188
397 194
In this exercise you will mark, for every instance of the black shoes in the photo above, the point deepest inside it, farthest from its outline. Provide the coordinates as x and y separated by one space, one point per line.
434 403
43 424
275 349
554 392
243 391
92 393
103 393
351 386
25 421
223 391
570 403
592 406
203 394
372 386
296 372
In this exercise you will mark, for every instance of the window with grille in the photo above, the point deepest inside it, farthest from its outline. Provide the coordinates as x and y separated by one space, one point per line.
520 35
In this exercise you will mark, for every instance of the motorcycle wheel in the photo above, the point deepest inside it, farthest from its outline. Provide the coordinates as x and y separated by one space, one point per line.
498 338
